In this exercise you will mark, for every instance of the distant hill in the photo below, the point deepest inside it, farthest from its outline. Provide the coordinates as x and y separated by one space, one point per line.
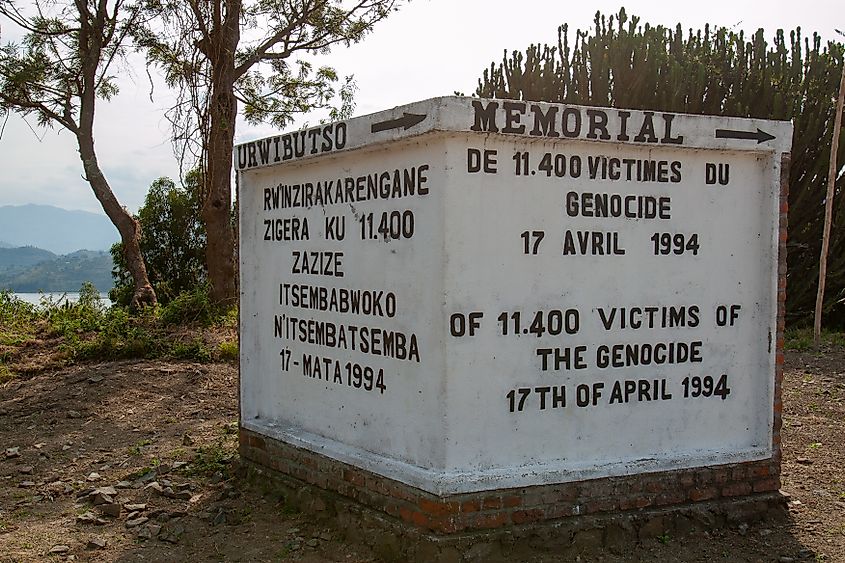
5 244
58 230
14 259
57 273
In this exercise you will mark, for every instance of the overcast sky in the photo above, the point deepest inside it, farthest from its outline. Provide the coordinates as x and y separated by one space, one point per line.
429 48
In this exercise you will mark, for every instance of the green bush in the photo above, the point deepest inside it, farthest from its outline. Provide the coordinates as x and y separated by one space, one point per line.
230 318
228 350
801 339
85 315
91 331
172 241
190 307
119 335
212 459
798 339
18 320
193 350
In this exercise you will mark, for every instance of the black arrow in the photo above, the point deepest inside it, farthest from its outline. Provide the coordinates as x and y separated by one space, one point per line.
407 121
760 136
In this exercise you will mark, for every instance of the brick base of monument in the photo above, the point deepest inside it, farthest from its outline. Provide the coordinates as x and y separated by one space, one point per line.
645 505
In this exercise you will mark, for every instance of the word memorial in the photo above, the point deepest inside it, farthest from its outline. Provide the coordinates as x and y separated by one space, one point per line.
463 295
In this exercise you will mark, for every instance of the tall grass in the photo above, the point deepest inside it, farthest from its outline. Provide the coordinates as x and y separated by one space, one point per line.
88 330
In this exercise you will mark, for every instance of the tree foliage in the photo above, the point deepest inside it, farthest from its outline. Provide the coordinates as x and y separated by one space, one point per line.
219 53
624 63
268 79
41 75
173 243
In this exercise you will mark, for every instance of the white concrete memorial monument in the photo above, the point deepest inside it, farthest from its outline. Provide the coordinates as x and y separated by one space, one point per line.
467 294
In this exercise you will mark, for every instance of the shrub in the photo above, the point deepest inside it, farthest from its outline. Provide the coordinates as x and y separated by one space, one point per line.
193 350
17 320
228 350
801 339
88 330
172 241
190 307
120 336
212 459
85 315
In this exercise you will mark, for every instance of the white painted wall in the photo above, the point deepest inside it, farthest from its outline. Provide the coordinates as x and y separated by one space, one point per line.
452 422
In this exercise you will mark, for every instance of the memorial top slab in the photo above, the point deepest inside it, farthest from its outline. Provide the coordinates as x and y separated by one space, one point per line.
520 118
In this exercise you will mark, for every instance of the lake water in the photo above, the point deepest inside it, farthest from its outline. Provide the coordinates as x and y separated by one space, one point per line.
70 297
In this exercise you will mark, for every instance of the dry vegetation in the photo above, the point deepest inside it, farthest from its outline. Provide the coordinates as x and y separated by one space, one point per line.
135 460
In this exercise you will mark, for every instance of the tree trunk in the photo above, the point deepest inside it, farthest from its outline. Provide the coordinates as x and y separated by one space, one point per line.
127 226
217 207
828 210
92 27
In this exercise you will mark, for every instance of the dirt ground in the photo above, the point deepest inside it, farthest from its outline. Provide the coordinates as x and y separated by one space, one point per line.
135 461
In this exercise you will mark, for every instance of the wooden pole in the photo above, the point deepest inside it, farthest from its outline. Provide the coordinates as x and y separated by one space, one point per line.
828 209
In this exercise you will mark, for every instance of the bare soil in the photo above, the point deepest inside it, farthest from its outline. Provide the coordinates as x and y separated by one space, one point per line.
164 435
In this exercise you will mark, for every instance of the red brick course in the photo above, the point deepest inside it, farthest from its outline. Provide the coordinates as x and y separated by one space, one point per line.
486 510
